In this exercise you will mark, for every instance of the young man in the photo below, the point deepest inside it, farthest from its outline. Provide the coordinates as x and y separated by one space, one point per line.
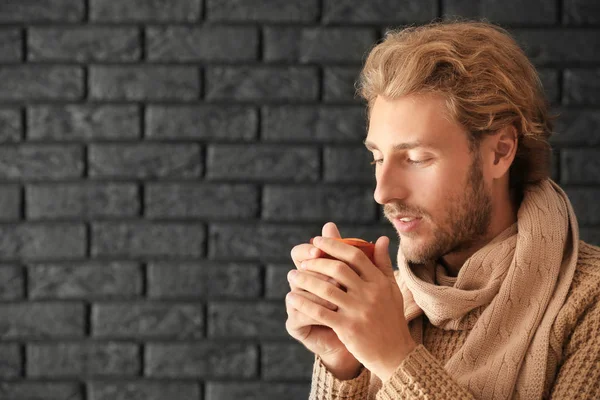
495 296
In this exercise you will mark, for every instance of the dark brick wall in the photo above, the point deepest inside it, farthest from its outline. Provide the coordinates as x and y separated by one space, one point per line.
159 159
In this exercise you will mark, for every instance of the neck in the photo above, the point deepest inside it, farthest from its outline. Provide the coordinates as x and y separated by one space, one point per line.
504 214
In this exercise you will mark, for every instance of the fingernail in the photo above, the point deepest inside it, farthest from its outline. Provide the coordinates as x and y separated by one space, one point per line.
303 265
314 252
292 274
317 240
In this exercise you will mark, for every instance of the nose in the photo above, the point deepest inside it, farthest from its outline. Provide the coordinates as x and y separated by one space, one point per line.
391 185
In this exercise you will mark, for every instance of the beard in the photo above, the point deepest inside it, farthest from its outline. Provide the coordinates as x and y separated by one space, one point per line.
468 216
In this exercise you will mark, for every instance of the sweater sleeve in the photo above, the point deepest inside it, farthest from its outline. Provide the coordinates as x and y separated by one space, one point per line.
421 376
325 386
579 373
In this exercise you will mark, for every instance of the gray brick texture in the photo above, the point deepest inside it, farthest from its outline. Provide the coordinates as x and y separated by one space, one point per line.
160 159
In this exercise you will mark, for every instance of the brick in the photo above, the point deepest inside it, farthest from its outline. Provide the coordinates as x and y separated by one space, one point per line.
347 165
10 202
145 10
201 360
11 44
205 280
319 45
146 239
263 162
83 44
81 200
145 160
41 321
11 126
148 320
262 83
581 87
256 390
554 165
585 203
550 85
544 46
508 12
286 361
577 128
84 280
82 359
82 122
318 203
42 241
590 235
207 43
10 361
276 283
115 82
40 162
263 10
580 166
264 241
234 319
146 390
11 286
379 11
581 12
23 390
201 200
339 84
310 123
40 82
35 11
223 123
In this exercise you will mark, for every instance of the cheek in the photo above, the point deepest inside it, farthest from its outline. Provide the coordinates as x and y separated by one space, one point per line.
437 191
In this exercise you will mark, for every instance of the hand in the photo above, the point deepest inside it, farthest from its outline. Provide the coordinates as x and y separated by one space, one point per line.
319 339
369 319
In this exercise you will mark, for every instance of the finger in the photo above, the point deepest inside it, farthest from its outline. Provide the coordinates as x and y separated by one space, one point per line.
303 320
303 252
381 257
322 315
322 289
331 230
322 277
350 255
334 270
313 297
297 323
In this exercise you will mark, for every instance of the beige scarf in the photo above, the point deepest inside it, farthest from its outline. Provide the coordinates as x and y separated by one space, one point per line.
508 293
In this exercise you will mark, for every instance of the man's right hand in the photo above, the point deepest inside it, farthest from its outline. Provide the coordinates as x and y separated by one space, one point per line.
319 339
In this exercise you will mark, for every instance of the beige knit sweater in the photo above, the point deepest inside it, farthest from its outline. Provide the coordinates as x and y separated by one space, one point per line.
573 364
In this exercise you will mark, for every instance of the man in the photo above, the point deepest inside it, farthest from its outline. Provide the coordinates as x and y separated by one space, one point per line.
495 296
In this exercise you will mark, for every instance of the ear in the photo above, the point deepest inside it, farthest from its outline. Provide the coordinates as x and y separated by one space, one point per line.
503 146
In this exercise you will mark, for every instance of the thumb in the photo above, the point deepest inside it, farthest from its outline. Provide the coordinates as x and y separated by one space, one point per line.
382 257
330 230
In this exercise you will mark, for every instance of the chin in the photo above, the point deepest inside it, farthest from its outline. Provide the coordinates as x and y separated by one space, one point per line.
413 251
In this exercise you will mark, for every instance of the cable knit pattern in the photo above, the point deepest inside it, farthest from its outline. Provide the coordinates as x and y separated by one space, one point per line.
567 362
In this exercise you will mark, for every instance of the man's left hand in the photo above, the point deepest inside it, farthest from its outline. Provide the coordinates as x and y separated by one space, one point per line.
369 319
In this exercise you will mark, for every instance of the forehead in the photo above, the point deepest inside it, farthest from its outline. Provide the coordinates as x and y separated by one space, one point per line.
422 119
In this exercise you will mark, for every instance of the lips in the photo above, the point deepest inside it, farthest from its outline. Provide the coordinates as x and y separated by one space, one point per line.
405 224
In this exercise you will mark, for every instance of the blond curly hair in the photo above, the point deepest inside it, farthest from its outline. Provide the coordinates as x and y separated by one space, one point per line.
486 79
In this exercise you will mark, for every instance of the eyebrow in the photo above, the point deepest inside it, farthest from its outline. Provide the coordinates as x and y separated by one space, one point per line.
399 146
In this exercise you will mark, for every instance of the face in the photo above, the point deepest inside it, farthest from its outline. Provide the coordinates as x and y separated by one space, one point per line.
430 183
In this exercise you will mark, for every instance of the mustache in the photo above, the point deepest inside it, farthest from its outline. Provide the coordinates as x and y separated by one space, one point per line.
391 210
